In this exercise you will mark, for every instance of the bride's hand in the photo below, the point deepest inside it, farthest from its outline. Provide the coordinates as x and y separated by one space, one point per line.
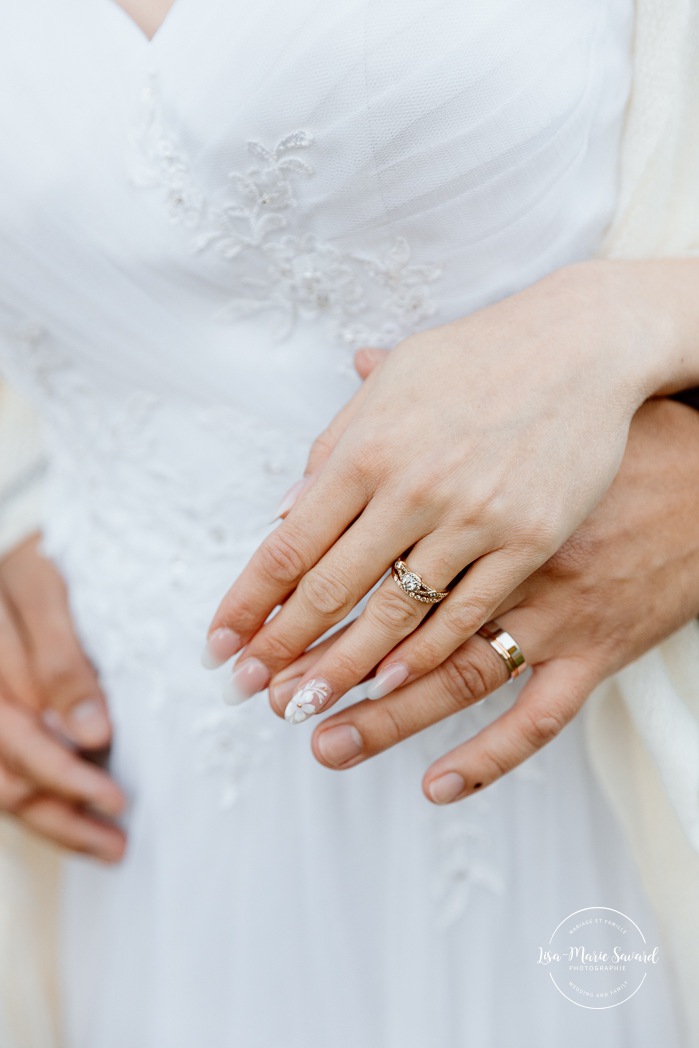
626 579
52 714
485 443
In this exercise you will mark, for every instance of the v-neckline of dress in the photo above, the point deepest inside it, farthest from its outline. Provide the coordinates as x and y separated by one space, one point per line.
149 42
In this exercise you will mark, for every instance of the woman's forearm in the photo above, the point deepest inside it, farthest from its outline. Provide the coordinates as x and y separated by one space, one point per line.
657 300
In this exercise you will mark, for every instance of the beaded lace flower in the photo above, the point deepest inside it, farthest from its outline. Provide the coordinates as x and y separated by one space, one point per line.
277 264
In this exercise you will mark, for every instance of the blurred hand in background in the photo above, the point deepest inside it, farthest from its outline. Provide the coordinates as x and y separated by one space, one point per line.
54 722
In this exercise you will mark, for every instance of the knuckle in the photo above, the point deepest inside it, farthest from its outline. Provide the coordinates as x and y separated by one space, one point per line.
369 457
279 651
322 446
281 558
462 618
327 594
487 503
541 726
342 668
389 728
393 611
536 534
426 651
466 680
345 668
421 493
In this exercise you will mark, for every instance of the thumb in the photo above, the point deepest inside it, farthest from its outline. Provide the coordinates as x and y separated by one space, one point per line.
367 359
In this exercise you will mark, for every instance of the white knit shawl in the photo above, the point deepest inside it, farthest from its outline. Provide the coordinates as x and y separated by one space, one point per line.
643 724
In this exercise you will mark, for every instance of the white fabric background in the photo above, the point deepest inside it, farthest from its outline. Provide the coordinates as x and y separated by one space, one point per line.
484 267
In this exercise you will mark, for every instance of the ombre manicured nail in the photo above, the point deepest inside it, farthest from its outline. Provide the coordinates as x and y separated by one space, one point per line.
281 693
248 677
339 745
446 788
221 645
290 497
310 698
387 680
107 850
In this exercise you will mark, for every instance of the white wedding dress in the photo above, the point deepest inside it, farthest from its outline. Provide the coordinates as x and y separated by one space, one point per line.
195 233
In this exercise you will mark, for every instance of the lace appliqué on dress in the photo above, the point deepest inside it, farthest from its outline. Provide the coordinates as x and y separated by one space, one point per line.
285 269
149 525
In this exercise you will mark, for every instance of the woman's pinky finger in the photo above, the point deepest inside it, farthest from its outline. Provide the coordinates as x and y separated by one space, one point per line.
549 701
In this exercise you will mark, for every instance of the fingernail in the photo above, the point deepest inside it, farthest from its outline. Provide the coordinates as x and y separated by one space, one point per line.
88 724
389 678
221 645
109 805
290 498
281 693
248 677
108 851
308 700
339 745
57 728
446 788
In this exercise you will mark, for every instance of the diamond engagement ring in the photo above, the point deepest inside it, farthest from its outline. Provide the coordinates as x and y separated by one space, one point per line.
412 585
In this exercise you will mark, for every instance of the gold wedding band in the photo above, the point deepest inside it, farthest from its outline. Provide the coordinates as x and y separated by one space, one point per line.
506 646
412 585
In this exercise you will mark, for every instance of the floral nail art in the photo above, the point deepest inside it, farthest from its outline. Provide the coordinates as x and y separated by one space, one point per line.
308 700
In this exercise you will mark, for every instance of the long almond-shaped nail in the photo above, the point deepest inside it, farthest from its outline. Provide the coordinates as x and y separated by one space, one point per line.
387 680
290 497
309 699
221 645
248 677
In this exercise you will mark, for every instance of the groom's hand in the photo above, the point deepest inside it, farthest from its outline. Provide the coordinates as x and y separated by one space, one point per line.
53 714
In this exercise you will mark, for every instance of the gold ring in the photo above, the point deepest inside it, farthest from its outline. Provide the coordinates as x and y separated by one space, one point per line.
506 646
412 585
